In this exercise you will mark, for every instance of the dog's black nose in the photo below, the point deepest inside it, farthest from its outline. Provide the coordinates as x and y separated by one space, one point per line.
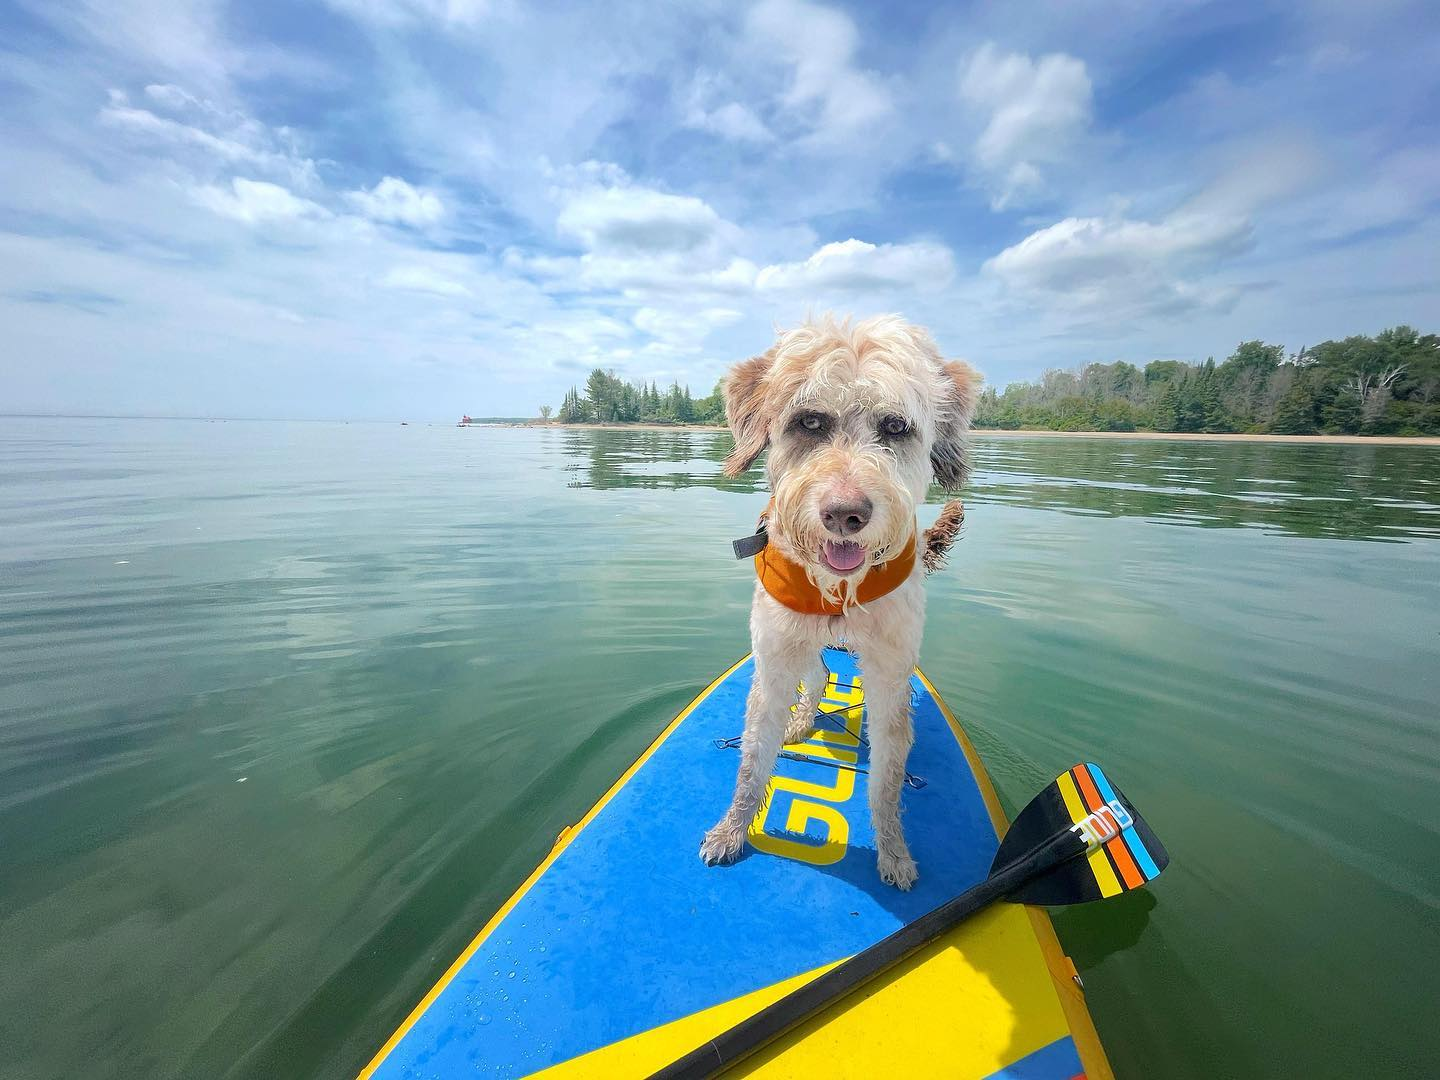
847 518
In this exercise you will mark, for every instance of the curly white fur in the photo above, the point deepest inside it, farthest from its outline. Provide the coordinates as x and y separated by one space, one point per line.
857 377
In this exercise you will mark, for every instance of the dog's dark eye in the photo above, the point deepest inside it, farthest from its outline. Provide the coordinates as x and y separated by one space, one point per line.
894 426
812 422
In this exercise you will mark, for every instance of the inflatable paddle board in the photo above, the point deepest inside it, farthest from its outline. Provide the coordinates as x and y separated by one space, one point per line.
623 951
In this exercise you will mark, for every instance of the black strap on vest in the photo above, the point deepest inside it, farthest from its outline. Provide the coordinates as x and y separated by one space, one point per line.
750 546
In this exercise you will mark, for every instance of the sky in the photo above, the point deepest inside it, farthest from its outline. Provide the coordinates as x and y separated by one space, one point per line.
386 209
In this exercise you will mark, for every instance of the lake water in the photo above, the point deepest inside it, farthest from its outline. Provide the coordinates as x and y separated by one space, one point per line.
287 710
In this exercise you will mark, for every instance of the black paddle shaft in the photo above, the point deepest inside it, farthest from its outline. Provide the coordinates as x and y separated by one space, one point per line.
756 1032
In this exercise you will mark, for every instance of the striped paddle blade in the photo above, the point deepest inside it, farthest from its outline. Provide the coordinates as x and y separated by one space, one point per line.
1116 851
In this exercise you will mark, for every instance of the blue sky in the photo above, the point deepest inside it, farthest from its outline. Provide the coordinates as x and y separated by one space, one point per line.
413 208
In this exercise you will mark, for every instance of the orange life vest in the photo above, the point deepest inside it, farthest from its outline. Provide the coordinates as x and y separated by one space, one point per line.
787 582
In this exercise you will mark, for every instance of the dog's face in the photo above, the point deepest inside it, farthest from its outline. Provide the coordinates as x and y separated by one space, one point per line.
857 419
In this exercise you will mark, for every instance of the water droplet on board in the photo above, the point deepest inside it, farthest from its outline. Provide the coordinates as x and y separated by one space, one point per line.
483 1019
511 975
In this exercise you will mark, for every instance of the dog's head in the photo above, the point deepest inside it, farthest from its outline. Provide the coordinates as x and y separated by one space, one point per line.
857 418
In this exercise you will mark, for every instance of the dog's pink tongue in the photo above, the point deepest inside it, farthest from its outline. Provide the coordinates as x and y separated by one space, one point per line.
843 554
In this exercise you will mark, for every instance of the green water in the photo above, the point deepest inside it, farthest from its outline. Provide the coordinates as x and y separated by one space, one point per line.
426 649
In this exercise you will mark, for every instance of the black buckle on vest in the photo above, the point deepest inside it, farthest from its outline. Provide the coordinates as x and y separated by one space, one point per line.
750 546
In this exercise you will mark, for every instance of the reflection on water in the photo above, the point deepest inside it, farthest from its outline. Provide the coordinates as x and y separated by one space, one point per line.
607 458
287 710
1345 491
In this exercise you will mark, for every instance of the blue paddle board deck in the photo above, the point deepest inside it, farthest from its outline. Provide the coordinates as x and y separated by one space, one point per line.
623 950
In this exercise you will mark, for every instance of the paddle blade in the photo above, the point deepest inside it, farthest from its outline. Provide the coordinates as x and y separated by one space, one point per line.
1120 850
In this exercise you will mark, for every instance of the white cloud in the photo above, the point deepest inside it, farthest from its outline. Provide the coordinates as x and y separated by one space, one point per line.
638 277
1398 187
174 98
817 117
1334 56
141 121
423 279
1115 266
1034 111
713 106
856 266
185 40
1259 174
256 202
393 200
836 99
638 219
239 139
397 13
683 329
731 121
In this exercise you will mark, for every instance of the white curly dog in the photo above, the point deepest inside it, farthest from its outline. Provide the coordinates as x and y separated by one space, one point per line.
857 418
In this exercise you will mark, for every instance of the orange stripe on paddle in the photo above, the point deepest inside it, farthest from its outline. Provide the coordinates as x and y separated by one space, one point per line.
1125 863
1119 853
1093 801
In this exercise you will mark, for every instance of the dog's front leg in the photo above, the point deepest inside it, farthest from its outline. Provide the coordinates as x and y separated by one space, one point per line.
767 712
801 724
887 706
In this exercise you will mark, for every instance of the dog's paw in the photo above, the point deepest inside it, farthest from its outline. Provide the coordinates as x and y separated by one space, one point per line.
722 844
897 869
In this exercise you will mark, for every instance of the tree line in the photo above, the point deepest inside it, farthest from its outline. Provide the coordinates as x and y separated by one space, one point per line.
1388 384
609 399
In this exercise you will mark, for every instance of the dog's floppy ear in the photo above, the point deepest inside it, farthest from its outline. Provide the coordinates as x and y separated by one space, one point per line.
747 412
961 386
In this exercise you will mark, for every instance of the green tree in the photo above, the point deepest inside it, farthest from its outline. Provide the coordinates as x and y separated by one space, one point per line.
574 409
1381 384
1164 371
1296 412
1116 414
1346 413
711 409
1210 413
1244 380
1167 409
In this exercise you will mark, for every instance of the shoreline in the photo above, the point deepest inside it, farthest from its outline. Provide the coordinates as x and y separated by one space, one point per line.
1197 436
1045 433
606 426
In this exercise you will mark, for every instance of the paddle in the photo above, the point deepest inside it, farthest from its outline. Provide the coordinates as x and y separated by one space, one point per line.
1078 840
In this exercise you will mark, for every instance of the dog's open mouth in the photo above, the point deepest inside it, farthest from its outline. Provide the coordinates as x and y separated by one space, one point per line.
842 556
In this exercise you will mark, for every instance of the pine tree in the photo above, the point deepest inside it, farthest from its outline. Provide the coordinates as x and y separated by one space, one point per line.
1346 413
573 409
1295 412
1210 412
1167 409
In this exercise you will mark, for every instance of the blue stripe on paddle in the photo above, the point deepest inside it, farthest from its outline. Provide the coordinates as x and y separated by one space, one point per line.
1132 838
